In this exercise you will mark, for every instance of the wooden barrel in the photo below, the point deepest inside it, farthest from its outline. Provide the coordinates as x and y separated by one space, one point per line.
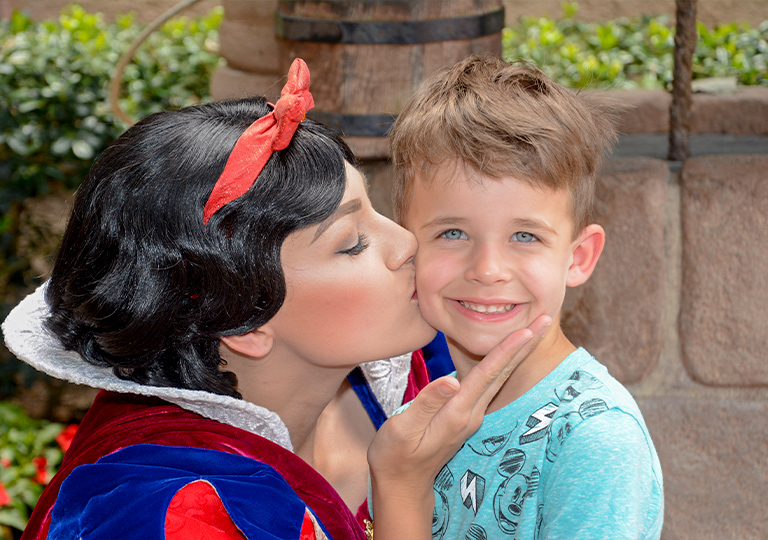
368 57
248 42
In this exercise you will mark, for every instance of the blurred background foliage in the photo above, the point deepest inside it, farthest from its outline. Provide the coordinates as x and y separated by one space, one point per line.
30 453
55 116
55 119
634 52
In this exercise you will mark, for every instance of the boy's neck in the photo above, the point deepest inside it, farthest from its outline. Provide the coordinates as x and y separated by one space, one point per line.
553 348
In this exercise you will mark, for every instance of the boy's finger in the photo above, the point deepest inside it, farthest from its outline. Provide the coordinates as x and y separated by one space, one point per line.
428 403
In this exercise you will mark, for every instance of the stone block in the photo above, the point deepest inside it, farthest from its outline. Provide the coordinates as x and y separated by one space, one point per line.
617 315
640 111
723 323
743 112
713 458
228 83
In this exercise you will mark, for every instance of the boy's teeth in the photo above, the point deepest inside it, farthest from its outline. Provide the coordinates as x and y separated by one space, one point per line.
482 308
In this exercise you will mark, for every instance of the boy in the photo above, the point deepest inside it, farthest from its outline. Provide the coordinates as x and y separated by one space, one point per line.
495 171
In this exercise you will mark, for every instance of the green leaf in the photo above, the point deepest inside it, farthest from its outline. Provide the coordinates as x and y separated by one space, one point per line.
13 517
83 150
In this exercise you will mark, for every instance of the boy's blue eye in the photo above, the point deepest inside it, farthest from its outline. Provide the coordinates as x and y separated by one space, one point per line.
523 237
357 249
454 234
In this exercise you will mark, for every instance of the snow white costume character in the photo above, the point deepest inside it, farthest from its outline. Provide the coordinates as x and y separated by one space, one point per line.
221 273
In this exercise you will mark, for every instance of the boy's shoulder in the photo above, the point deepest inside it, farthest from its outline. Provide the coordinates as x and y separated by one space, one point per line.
582 383
577 390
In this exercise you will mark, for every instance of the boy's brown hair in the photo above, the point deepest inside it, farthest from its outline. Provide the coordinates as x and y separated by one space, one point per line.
502 120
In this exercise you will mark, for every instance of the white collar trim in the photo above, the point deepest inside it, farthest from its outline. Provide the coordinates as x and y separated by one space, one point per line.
27 338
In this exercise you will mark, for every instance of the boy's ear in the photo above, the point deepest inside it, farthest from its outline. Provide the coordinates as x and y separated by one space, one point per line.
256 344
586 251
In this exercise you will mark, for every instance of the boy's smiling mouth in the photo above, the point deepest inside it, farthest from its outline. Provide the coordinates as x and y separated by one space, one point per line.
488 308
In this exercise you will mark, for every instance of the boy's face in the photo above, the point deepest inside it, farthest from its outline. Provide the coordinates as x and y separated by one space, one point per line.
493 255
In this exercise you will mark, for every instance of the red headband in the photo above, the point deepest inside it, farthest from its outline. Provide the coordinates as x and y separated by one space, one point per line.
266 135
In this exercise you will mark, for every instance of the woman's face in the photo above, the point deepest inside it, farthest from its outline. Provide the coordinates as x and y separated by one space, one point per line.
350 287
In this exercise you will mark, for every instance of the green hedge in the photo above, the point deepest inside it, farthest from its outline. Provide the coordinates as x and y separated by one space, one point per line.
54 77
636 52
54 110
55 117
30 454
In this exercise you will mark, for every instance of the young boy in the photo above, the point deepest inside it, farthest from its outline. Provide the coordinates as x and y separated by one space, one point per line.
495 167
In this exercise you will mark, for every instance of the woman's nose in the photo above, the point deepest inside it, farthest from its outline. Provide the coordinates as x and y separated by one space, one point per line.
489 265
403 248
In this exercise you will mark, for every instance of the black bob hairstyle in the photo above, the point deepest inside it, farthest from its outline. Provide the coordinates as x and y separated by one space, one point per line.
141 285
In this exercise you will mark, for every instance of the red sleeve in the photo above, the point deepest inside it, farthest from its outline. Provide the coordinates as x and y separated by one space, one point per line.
418 378
196 512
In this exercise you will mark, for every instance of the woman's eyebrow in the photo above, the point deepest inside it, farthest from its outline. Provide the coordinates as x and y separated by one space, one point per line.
349 207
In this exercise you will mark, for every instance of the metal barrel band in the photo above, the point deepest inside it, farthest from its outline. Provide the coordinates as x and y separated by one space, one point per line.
355 125
388 32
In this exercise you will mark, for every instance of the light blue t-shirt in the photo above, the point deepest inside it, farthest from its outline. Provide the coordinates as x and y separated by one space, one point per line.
570 459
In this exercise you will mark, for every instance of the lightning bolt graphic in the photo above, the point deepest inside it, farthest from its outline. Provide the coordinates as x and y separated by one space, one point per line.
538 422
472 488
468 492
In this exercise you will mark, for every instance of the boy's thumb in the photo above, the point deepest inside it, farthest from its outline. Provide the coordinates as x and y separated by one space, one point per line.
432 398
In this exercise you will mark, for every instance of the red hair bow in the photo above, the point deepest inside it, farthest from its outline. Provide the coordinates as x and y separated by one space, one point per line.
266 135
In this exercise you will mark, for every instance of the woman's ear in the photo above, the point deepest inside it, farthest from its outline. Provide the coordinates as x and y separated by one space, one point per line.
256 344
586 250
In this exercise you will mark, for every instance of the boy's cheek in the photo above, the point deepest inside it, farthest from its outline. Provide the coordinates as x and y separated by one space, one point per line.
431 271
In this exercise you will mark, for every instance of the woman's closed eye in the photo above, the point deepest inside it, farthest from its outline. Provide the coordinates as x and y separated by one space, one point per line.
357 249
453 234
524 237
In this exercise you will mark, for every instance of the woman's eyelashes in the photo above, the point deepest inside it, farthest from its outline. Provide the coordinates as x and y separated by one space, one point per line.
357 249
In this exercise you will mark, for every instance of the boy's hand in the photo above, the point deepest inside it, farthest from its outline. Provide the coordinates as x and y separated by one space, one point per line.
409 450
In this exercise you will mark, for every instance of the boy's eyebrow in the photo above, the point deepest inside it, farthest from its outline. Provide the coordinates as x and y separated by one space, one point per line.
349 207
444 220
535 224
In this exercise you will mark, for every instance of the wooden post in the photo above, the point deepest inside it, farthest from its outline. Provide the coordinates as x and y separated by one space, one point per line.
680 110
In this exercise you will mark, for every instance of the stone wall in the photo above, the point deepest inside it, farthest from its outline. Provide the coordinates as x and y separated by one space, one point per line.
676 311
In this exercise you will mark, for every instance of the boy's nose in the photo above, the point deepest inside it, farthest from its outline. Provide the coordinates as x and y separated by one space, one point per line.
489 265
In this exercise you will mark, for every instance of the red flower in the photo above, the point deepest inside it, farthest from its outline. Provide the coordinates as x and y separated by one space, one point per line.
5 462
41 477
65 437
5 499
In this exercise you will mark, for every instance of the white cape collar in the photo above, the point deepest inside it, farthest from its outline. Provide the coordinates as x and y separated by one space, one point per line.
27 338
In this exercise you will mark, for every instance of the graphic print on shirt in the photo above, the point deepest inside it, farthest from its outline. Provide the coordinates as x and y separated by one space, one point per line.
499 475
512 493
476 532
538 422
491 445
442 514
577 384
472 489
561 427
